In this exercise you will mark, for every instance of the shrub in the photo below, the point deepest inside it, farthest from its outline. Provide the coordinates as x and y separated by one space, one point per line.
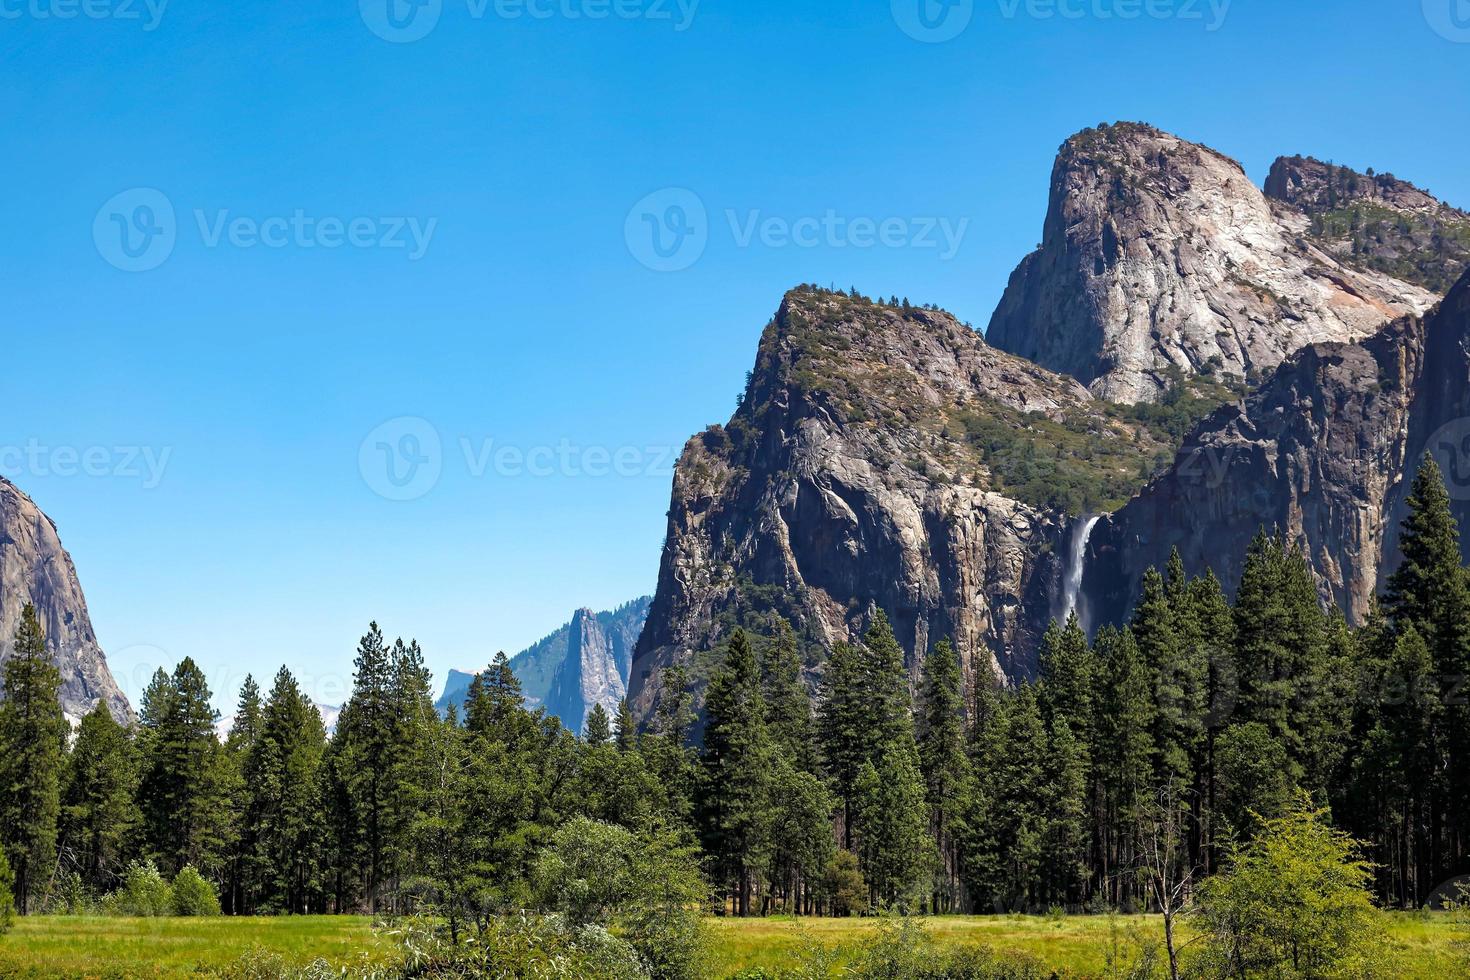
1294 903
194 896
843 887
143 893
7 894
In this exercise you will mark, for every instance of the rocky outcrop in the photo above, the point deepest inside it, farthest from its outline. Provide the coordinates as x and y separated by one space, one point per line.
36 569
1324 452
584 662
1376 222
1160 259
882 457
590 675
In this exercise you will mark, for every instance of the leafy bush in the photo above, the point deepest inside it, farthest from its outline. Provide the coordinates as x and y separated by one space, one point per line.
518 946
903 950
7 894
143 893
192 895
1294 903
843 887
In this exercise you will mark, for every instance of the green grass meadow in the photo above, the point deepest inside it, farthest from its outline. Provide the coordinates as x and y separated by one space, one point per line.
1428 947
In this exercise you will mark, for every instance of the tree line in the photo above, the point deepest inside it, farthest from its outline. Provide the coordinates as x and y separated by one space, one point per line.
1134 764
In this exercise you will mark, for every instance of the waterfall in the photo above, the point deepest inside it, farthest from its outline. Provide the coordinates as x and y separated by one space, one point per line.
1076 562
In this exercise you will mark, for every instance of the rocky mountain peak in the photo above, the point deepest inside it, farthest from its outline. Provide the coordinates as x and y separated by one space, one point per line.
36 569
885 456
1376 222
1160 257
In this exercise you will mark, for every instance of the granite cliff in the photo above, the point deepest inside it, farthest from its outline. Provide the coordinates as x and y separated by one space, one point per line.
36 569
584 662
1160 257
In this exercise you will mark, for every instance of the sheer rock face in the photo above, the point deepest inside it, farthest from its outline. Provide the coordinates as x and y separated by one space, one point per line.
1160 257
840 487
591 673
1326 452
35 569
597 646
1376 223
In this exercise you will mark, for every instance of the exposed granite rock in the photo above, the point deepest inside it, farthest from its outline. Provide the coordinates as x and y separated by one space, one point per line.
35 569
590 675
1160 258
1326 452
1376 222
549 669
861 472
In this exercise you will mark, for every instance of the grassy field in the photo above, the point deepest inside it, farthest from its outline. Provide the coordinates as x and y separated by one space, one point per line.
1427 948
53 946
1424 947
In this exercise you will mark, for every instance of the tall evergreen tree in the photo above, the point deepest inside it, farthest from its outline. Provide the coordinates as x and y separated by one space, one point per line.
99 814
625 734
32 742
945 767
283 775
895 851
788 703
187 780
597 732
844 727
735 819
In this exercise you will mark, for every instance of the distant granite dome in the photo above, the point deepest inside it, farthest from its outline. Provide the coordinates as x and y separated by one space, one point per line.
36 569
585 662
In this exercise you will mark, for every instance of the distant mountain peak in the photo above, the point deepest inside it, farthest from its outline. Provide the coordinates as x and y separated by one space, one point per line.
584 662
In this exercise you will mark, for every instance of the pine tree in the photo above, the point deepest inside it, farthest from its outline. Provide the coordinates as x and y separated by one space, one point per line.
1179 681
626 732
1069 672
283 775
187 779
788 703
1067 834
99 814
367 731
736 766
242 877
945 766
32 744
844 729
896 852
1124 757
1430 591
597 732
887 685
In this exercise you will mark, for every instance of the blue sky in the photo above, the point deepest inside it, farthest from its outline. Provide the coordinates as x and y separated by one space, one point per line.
208 433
